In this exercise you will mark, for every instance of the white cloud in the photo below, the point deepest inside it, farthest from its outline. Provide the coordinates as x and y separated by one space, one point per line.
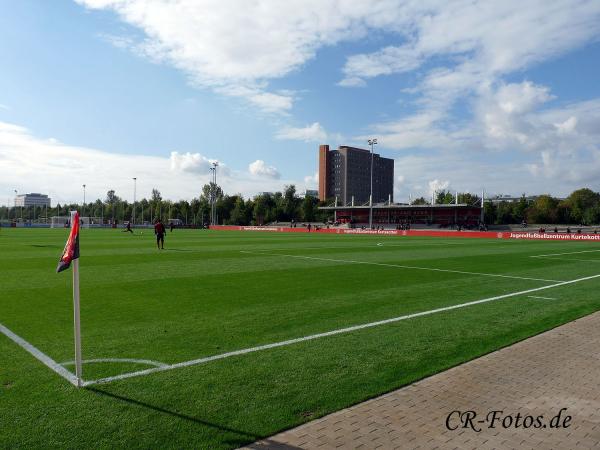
32 164
566 127
382 62
190 162
240 46
483 37
260 169
309 133
311 181
437 186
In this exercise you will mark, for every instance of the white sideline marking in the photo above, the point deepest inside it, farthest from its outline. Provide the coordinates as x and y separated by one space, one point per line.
567 253
351 247
567 259
117 360
350 261
37 354
326 334
541 298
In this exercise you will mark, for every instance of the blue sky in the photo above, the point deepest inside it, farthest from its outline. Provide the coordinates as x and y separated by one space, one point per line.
502 96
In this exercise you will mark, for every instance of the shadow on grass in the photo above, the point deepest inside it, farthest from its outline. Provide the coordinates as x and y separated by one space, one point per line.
244 436
178 250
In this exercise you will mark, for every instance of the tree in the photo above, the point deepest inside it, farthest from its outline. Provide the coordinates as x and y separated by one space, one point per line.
290 202
504 212
210 189
238 214
469 199
420 201
112 201
543 210
580 201
444 197
260 209
519 208
308 208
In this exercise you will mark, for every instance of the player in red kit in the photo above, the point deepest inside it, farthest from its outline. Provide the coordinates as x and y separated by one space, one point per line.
160 231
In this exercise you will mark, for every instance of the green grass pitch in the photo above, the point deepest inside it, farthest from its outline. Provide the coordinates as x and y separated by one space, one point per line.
211 292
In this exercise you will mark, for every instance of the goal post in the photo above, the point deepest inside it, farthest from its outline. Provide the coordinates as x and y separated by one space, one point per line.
84 222
59 221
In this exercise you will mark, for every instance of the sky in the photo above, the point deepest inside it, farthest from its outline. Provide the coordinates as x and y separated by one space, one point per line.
463 95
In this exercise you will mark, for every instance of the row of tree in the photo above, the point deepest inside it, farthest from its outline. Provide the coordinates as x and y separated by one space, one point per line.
581 207
230 209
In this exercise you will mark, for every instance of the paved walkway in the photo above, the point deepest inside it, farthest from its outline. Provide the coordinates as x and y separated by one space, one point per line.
539 376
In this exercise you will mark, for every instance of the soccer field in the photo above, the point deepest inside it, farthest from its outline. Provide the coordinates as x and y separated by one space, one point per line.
226 337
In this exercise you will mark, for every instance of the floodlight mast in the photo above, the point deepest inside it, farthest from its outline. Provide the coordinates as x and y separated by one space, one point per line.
213 193
134 189
83 208
371 142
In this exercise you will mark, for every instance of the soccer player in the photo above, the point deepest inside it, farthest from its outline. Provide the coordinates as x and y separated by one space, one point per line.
128 228
159 231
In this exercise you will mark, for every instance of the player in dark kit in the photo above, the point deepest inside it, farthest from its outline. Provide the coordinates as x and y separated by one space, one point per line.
128 228
159 231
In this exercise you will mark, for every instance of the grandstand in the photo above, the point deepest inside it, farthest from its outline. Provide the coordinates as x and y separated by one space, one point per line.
444 215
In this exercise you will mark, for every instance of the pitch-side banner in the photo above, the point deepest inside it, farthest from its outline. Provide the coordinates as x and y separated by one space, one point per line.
459 234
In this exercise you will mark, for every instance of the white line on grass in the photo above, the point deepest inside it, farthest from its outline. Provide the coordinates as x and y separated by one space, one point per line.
385 244
350 261
567 259
567 253
70 377
326 334
147 362
541 298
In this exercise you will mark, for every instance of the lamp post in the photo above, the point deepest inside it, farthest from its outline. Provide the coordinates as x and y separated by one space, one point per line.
83 209
371 142
213 193
134 189
16 205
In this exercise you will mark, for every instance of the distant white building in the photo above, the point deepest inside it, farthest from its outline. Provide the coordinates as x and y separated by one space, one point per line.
311 193
33 199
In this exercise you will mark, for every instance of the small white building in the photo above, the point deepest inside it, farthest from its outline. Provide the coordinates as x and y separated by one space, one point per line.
33 199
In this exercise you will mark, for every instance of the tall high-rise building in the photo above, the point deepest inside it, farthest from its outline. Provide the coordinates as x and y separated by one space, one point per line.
346 173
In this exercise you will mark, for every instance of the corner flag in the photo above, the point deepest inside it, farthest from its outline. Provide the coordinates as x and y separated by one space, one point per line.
71 254
71 250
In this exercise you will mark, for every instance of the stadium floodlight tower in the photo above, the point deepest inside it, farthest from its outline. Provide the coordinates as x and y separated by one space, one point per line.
213 193
371 142
83 209
134 188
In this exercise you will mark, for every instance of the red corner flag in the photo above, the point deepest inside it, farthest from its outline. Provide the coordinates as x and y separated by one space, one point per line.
71 250
71 254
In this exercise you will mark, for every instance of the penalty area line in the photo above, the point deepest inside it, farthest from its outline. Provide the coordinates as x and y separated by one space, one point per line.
39 355
325 334
401 266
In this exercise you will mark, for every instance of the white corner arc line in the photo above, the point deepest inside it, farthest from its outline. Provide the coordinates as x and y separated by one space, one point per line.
37 354
147 362
401 266
325 334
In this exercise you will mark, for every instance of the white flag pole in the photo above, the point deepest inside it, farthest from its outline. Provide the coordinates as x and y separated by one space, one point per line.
77 323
